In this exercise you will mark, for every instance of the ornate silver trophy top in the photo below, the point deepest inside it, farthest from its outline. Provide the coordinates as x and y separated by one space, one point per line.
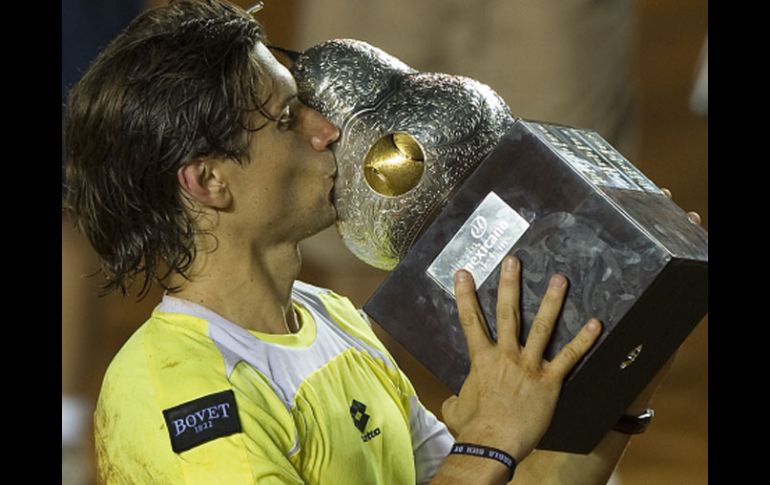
407 139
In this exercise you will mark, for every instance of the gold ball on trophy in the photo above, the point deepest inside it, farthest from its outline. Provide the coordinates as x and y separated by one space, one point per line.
394 165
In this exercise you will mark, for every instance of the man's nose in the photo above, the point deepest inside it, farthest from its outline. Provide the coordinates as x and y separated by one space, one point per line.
324 132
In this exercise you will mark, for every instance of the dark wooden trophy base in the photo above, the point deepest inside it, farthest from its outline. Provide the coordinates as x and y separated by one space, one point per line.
570 204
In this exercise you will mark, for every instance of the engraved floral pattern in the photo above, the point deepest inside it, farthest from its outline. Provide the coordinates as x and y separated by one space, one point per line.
368 94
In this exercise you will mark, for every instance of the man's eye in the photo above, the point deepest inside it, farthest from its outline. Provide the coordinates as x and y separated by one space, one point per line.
286 120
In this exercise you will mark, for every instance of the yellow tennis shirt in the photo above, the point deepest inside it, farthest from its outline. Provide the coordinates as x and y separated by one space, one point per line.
193 398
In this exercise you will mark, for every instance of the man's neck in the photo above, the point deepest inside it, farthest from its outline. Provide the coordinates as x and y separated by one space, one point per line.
251 288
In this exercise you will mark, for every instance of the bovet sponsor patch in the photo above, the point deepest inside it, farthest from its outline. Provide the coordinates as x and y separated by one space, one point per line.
202 420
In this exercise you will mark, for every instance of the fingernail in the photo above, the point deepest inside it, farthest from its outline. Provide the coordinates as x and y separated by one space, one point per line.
593 326
461 275
509 264
558 281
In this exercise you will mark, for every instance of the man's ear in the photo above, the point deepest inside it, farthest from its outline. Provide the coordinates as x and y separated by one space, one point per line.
204 182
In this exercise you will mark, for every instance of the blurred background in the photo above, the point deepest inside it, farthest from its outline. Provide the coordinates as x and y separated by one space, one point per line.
635 71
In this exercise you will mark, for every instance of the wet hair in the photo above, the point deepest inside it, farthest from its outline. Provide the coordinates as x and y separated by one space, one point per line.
180 82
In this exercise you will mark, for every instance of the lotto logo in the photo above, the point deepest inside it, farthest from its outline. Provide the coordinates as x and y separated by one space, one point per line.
358 413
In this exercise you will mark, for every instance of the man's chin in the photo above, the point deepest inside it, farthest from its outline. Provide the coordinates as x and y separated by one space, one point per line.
324 221
330 215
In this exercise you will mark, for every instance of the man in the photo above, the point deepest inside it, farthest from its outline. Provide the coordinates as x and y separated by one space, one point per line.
193 165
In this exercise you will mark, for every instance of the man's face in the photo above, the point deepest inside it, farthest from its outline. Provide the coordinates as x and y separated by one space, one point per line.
285 190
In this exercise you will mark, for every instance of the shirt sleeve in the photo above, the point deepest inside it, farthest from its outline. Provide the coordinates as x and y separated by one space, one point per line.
431 440
239 459
134 447
137 441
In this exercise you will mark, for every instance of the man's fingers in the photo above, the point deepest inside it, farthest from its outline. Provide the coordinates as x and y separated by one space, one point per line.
471 318
693 216
571 353
508 294
542 326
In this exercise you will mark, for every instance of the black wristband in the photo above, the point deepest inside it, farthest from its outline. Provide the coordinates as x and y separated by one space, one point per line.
485 452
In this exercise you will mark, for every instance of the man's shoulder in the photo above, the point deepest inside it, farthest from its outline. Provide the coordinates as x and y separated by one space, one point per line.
165 377
169 358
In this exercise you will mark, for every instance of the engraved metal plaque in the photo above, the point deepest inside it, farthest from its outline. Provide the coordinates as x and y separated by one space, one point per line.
593 157
481 243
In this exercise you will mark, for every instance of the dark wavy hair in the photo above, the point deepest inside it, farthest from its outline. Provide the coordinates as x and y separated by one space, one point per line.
178 83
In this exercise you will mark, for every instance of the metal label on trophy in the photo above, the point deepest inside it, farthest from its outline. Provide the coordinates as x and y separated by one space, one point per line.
619 161
593 158
481 243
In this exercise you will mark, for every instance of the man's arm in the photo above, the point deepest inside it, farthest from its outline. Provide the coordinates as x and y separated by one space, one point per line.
510 394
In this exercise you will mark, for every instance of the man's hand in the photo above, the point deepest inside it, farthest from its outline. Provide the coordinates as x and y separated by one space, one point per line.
509 397
693 216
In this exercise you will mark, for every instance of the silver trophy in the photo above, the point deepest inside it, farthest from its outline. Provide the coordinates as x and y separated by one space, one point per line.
407 139
435 174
